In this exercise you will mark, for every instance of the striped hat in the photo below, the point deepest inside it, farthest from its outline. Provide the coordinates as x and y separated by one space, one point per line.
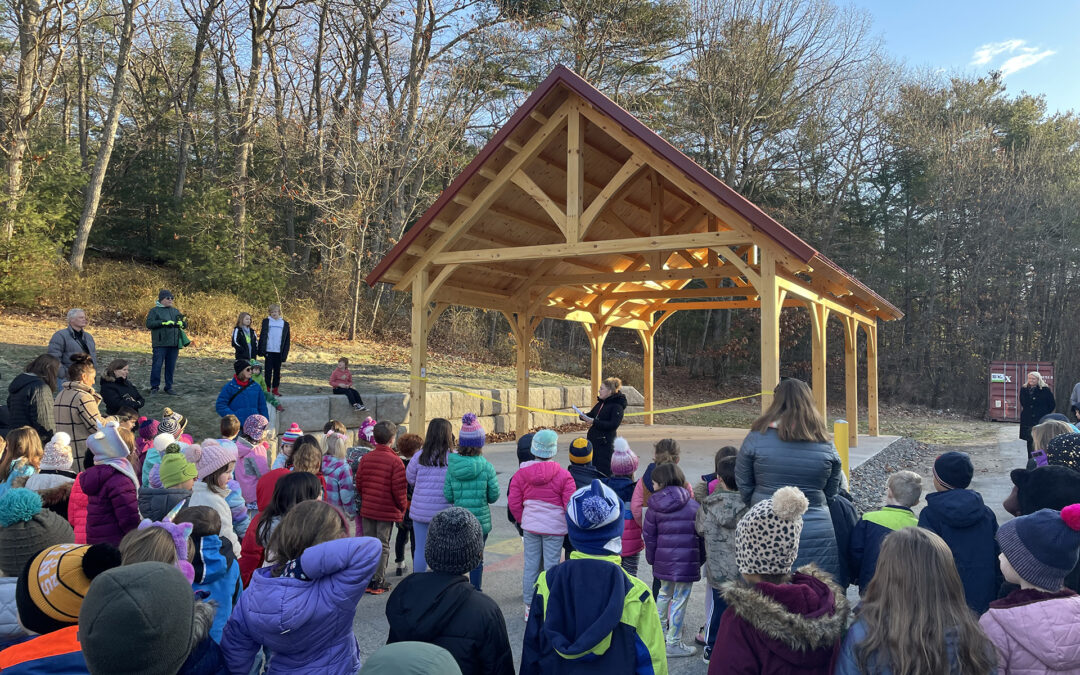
289 437
580 451
471 434
171 422
51 588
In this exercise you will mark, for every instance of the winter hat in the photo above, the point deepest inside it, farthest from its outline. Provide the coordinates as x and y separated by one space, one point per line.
623 461
162 441
175 468
367 429
26 528
163 294
524 448
52 585
180 532
289 437
1045 487
455 541
148 428
580 451
1044 546
255 427
954 470
172 422
209 457
545 443
107 443
594 520
152 606
57 455
767 537
410 658
472 434
240 365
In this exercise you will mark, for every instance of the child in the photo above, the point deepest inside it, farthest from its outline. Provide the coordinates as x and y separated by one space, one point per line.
1033 628
148 430
111 488
314 587
244 340
288 443
524 455
407 446
235 499
715 522
538 499
381 485
175 424
581 466
177 476
704 488
903 492
26 528
257 378
623 465
364 444
674 550
274 346
153 458
162 541
21 458
665 451
340 488
215 568
229 428
215 465
913 618
471 481
427 474
341 383
53 480
588 610
968 526
783 622
251 462
287 493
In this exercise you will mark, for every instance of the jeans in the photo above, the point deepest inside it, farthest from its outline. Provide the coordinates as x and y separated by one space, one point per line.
273 370
163 356
380 529
671 603
476 577
541 551
349 393
419 533
719 605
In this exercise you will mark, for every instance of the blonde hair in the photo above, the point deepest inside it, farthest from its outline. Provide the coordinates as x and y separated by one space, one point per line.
307 458
1042 434
150 544
21 442
614 384
274 306
1039 381
906 487
793 411
335 445
240 319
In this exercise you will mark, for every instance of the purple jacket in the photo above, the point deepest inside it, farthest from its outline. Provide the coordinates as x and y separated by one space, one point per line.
672 546
427 482
112 508
307 626
1035 631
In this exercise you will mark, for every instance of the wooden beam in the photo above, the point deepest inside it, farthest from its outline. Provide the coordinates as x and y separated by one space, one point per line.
597 335
720 304
524 338
590 248
439 280
735 259
609 192
667 314
872 377
676 274
575 176
684 293
418 358
529 187
851 378
798 289
647 356
656 216
770 329
819 320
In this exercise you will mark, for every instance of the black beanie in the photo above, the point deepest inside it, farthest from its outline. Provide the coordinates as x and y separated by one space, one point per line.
239 365
524 448
164 293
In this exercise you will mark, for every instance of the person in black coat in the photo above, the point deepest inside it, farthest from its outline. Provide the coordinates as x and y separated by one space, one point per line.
605 417
1036 400
245 342
116 391
274 346
31 396
442 608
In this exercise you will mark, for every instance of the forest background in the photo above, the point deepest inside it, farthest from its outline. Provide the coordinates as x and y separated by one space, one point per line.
250 151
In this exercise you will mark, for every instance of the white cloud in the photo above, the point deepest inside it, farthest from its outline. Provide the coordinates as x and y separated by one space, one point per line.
988 51
1024 60
1022 57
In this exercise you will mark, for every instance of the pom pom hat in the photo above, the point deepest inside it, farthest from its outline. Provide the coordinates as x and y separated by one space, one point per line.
594 520
623 461
471 434
545 443
175 468
289 437
367 429
1043 547
209 458
26 528
581 451
57 455
51 587
767 537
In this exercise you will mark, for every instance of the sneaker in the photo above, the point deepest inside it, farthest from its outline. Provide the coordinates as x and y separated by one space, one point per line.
700 637
151 390
170 392
276 392
361 407
678 649
705 655
377 589
400 568
526 614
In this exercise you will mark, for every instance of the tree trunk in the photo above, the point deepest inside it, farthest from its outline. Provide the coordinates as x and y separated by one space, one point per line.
186 133
259 25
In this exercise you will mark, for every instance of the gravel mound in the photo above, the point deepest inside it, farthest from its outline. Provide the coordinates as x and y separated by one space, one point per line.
868 480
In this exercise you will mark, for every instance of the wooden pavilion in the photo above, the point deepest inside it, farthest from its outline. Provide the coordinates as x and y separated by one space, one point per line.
576 210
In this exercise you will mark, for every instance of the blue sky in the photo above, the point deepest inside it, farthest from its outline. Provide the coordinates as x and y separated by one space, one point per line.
1035 43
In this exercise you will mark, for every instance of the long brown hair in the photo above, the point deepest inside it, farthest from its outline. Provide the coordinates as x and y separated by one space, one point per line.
21 442
914 603
437 442
47 367
305 525
1042 434
666 450
793 411
110 371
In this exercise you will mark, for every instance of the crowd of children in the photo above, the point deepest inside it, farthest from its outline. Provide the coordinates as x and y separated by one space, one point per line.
276 543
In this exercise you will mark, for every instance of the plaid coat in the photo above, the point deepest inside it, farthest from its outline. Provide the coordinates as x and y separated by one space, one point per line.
76 412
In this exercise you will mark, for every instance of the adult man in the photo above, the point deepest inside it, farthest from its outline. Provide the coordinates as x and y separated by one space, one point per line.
165 323
74 339
241 396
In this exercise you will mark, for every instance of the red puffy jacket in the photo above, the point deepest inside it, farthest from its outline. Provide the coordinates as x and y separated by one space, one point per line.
381 485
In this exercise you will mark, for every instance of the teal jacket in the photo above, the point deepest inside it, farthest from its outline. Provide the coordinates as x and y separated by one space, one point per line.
589 616
471 484
164 324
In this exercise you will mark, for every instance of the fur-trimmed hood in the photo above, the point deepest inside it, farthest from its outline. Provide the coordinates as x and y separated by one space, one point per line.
808 614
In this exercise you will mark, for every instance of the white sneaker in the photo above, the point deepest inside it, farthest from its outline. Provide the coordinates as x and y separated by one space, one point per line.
678 649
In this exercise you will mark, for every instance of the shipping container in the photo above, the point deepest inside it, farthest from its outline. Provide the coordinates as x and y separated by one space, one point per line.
1005 380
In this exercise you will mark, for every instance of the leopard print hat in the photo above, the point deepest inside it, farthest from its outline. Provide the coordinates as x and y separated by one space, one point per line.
767 537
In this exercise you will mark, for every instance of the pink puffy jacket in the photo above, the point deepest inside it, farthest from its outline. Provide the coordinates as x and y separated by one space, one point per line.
251 465
539 493
78 503
1038 637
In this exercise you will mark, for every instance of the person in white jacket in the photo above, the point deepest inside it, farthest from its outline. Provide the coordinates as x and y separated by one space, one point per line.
215 464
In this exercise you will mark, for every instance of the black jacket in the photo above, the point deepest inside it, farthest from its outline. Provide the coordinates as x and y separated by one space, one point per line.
30 403
1034 403
445 610
607 415
240 346
119 394
284 339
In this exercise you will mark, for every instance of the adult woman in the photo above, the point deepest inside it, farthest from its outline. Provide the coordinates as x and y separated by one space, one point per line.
241 396
1036 400
30 396
77 408
789 445
244 340
605 417
116 391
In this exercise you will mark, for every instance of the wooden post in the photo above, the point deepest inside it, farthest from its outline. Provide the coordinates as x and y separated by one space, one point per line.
851 378
768 291
819 315
648 350
418 370
523 335
871 378
597 335
575 175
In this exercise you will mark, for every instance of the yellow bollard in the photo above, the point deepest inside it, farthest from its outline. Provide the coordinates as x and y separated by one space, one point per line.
840 439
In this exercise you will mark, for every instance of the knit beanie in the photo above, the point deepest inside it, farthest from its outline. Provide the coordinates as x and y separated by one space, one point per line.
954 470
57 455
255 427
455 541
107 442
410 658
209 457
149 605
164 293
594 520
255 365
175 468
580 451
289 437
240 365
1043 547
472 434
545 443
52 585
524 448
148 428
767 537
172 422
623 460
26 528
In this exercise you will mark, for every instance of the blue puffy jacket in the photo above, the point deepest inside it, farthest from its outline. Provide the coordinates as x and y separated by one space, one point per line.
218 573
242 399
